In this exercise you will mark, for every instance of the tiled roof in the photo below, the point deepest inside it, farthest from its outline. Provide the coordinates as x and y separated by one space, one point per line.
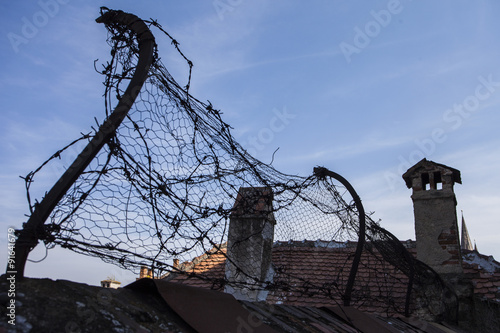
205 271
316 276
484 271
379 286
312 270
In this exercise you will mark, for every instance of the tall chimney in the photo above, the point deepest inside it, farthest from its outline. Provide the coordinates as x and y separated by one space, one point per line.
250 242
434 206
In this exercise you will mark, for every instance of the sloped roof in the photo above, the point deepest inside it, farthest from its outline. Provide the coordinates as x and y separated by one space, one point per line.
225 314
311 268
325 267
484 272
158 306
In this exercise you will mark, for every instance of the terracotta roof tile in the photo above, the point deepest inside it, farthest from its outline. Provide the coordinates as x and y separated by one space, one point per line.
484 273
379 286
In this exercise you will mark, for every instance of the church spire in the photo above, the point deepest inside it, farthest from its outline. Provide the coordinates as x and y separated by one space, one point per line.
466 243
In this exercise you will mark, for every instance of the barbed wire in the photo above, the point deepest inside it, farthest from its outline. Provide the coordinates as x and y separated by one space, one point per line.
164 188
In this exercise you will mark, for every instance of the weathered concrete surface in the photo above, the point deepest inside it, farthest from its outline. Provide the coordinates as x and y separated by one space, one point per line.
44 305
249 245
436 230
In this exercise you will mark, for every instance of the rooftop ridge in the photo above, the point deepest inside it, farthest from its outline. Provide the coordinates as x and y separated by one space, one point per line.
319 243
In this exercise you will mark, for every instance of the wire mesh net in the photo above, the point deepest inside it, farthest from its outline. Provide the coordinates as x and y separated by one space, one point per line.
161 194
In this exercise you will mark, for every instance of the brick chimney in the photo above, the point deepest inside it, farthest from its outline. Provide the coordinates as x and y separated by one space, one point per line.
249 245
438 245
434 206
145 273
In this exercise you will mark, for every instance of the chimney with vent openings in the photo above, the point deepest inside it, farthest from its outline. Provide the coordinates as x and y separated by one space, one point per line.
249 245
434 205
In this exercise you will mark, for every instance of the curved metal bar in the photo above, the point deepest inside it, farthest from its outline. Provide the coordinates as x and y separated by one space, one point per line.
321 173
28 236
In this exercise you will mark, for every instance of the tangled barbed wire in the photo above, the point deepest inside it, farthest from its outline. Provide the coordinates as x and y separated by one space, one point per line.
163 188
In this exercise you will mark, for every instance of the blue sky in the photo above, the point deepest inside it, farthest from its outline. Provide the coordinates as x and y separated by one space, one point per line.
364 89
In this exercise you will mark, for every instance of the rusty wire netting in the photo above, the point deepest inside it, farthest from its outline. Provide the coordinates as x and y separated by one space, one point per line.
164 186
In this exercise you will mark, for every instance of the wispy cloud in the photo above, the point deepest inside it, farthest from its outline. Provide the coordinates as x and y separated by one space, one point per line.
246 66
369 144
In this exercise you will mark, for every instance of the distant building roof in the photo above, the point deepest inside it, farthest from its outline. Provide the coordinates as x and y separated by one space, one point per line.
110 283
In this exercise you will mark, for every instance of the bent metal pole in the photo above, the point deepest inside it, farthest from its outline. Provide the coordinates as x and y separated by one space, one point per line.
321 173
28 235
